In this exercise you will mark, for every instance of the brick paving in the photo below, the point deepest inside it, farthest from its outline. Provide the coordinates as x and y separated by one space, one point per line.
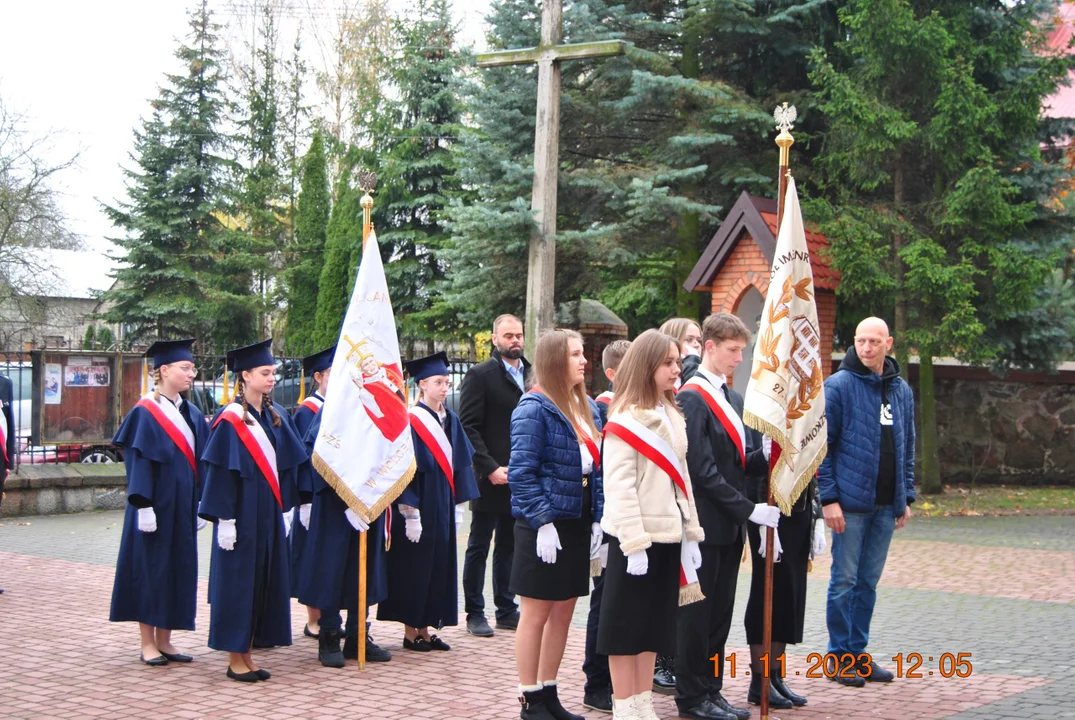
1002 591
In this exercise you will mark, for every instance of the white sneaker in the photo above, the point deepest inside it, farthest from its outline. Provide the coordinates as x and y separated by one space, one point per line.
625 709
644 706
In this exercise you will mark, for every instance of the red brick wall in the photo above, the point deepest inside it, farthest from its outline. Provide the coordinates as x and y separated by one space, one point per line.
747 267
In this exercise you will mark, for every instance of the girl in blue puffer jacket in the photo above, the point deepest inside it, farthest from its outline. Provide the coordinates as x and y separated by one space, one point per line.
556 497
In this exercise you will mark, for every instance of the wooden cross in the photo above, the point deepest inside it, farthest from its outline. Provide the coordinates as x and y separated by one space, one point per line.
541 278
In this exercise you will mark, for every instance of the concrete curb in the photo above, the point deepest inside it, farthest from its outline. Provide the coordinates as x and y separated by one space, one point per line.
59 488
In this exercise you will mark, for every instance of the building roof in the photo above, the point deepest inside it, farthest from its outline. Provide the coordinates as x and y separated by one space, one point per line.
755 218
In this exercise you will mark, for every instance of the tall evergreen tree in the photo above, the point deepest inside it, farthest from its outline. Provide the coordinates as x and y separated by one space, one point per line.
308 251
938 199
342 239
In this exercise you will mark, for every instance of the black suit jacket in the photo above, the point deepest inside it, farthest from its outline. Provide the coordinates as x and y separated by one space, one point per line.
487 399
6 398
722 486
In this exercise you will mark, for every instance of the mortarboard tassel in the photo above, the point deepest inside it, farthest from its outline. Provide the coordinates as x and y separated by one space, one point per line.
224 399
145 376
302 385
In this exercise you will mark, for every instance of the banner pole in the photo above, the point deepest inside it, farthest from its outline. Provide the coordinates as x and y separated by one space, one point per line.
362 600
784 141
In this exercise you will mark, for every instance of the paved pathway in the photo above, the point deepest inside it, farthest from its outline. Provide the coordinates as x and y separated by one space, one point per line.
1001 589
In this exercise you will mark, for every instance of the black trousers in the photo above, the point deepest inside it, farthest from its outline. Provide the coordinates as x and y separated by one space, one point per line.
595 665
482 527
703 627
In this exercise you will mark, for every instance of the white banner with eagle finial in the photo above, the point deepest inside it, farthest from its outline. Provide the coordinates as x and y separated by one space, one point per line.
364 448
785 397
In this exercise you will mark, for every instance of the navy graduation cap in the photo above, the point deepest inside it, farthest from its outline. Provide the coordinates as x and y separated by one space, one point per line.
251 356
166 352
318 362
435 364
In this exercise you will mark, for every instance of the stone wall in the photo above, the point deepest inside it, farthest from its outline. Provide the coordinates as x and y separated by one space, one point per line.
994 430
55 489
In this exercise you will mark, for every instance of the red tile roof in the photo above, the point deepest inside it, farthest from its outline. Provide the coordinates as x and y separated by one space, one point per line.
825 277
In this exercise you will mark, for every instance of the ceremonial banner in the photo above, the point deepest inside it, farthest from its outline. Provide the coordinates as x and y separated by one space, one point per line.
785 398
364 449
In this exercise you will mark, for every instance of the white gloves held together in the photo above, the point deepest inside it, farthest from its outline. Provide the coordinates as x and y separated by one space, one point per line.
776 546
638 561
412 522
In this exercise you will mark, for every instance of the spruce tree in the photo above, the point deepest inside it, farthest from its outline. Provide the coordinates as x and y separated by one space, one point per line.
343 238
308 251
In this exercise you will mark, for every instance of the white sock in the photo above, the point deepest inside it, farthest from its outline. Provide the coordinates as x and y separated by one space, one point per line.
529 688
644 699
548 683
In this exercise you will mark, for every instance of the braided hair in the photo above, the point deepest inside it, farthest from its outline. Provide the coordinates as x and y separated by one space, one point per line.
266 402
157 385
242 401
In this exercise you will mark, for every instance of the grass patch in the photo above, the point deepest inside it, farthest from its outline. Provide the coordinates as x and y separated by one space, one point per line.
997 500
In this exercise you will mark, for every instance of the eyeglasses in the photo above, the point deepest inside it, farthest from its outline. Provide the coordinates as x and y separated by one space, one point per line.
186 368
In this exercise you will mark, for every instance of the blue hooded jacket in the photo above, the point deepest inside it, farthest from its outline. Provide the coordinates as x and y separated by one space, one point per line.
848 475
545 470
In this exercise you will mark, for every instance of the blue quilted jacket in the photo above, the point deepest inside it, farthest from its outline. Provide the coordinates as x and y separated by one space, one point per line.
848 474
545 470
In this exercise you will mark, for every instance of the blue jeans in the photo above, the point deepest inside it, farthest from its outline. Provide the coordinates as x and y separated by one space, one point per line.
332 619
858 557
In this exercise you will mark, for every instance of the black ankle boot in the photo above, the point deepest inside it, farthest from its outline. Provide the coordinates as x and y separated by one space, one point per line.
534 706
776 700
328 648
781 687
552 701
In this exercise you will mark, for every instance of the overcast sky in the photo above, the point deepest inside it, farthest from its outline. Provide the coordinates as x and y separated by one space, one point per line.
86 70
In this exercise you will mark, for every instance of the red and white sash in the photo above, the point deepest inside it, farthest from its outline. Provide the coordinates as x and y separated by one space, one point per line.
3 434
726 414
591 445
313 403
172 422
605 398
257 443
656 449
434 437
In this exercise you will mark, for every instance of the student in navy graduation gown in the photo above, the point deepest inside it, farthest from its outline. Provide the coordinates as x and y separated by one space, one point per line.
318 367
251 461
162 436
423 580
328 569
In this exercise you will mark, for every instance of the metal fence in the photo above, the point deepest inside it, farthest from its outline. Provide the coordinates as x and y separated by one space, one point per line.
207 393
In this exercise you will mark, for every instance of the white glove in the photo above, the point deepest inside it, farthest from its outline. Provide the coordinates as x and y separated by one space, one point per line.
765 515
226 535
356 522
458 519
638 563
304 514
694 553
201 524
817 547
767 446
776 544
289 520
548 542
602 555
597 536
147 520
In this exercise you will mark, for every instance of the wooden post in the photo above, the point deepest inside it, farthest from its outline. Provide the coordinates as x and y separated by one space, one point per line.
366 182
784 140
541 278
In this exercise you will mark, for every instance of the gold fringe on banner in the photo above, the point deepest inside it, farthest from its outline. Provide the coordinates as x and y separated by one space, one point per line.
767 428
352 501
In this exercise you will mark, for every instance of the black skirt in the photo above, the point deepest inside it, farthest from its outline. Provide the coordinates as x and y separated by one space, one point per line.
638 612
789 580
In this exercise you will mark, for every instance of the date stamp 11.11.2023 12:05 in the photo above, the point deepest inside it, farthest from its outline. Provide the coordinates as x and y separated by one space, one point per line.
830 665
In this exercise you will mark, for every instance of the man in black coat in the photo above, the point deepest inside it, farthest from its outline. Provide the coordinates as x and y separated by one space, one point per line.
7 454
720 454
490 392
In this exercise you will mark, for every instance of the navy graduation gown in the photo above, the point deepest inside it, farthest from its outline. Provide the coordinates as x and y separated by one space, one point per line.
249 586
303 418
423 580
328 568
157 573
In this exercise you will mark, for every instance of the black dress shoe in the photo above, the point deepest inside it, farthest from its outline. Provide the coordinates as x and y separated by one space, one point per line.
248 677
328 649
437 644
781 687
510 622
706 710
263 674
419 644
478 626
599 699
154 662
725 706
846 673
776 700
872 672
307 633
177 657
664 676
